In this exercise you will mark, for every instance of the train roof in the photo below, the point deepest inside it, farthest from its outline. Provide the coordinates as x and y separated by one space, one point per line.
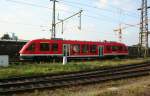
80 41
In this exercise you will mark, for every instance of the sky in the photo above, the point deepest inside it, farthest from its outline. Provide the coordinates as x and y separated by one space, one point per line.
31 19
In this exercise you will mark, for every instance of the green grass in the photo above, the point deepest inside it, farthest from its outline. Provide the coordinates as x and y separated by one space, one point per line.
44 68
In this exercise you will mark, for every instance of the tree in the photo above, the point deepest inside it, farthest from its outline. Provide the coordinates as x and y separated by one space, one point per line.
6 36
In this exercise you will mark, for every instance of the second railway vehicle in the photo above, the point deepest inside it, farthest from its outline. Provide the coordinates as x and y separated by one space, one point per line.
49 49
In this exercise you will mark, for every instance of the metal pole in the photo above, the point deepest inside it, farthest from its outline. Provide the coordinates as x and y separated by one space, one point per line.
143 35
70 17
63 20
80 20
53 35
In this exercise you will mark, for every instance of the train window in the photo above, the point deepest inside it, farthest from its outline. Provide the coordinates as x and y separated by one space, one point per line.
55 47
114 48
125 48
44 47
108 48
31 47
76 48
93 48
85 48
120 48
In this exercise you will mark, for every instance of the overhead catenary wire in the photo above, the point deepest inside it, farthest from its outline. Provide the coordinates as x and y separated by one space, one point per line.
14 12
26 3
101 9
87 5
26 24
96 14
42 6
96 17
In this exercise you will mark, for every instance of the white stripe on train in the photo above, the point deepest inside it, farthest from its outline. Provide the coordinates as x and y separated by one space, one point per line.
106 54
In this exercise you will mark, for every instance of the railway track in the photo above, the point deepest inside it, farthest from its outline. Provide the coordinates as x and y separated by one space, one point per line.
21 84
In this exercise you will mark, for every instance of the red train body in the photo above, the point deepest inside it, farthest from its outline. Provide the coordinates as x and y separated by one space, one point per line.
40 49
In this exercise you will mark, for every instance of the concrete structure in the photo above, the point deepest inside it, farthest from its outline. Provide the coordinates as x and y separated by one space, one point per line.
4 61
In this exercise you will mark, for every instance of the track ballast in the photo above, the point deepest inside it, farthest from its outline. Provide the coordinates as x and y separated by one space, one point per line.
25 84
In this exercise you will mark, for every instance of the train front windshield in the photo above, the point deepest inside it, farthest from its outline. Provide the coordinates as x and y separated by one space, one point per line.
31 47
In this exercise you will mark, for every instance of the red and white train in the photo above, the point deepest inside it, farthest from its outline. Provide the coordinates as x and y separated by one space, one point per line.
48 49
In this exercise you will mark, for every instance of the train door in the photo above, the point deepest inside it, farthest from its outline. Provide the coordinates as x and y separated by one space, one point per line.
100 51
66 49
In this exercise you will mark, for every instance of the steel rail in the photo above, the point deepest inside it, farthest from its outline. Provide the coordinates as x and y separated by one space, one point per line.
77 78
90 71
